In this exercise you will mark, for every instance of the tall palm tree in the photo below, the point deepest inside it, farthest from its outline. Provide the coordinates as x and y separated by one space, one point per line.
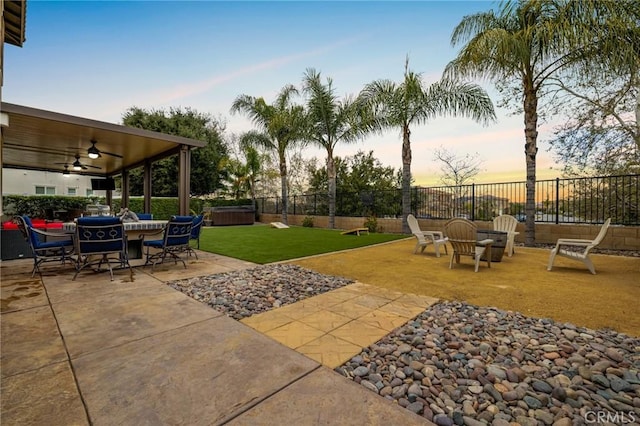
410 102
253 164
329 122
281 126
525 43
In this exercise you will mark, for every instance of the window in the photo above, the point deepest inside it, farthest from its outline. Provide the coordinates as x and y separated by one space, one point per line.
45 190
71 191
89 192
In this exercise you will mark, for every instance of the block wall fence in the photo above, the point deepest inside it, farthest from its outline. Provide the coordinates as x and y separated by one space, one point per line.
618 237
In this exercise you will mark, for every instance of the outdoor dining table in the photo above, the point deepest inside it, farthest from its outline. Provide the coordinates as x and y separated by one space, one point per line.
134 230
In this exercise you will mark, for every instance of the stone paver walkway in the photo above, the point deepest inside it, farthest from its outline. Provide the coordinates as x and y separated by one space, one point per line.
333 327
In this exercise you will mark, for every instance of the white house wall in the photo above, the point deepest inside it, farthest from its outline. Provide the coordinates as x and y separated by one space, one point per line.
24 182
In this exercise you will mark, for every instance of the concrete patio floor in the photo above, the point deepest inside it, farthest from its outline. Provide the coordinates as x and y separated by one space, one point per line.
95 351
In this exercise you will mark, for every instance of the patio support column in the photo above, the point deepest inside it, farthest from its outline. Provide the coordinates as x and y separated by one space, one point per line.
184 180
146 185
125 189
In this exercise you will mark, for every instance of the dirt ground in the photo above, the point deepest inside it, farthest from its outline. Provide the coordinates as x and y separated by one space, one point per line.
568 293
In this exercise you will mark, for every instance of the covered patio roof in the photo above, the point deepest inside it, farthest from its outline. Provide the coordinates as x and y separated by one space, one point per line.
14 21
36 139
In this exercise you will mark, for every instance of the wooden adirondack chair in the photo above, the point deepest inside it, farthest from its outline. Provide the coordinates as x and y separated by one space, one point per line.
462 237
507 223
577 249
424 238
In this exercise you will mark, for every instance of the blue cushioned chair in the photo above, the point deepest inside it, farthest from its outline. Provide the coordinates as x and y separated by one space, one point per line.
144 216
175 240
195 234
44 251
101 240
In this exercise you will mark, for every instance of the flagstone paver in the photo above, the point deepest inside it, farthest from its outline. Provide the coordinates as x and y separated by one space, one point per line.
370 301
267 321
350 309
359 333
334 326
384 320
329 350
325 320
294 334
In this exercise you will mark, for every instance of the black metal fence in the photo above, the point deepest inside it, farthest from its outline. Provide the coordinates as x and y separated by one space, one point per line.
573 200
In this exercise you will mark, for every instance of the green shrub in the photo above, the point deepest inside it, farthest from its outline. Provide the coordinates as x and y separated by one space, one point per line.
162 208
35 205
371 224
307 222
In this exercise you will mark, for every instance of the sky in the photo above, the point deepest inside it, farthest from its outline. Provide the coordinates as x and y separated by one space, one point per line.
97 59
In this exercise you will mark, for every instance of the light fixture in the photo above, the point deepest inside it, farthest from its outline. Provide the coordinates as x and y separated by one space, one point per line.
77 165
93 152
66 173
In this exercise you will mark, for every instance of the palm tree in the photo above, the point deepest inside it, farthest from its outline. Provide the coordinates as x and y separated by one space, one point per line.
525 43
410 102
253 164
329 122
281 125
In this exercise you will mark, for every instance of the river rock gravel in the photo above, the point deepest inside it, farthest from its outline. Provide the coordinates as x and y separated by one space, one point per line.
243 293
459 364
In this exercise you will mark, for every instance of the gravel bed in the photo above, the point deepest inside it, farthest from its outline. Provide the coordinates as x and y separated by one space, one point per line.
240 294
460 364
466 365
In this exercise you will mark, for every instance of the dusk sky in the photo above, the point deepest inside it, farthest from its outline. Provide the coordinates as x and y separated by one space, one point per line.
96 59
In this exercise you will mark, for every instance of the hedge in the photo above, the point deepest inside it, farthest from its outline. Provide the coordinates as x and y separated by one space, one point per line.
161 208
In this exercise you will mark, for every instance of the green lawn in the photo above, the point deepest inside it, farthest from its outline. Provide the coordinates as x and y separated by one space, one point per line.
263 244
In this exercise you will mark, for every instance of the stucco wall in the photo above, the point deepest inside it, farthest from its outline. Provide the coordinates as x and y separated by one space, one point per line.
618 237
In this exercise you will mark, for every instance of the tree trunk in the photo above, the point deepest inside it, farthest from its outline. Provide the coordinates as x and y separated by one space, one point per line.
253 197
530 152
406 178
331 174
637 129
283 183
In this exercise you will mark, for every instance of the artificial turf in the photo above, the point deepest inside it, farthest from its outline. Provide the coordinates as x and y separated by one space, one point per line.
263 244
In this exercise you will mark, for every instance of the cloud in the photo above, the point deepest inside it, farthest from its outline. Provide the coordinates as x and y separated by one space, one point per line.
199 87
171 95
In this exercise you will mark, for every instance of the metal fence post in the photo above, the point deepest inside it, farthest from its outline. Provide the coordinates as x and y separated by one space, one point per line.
473 202
557 200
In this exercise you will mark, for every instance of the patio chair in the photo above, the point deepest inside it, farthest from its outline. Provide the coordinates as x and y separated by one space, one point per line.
507 223
195 234
44 251
577 249
175 240
463 239
101 240
424 238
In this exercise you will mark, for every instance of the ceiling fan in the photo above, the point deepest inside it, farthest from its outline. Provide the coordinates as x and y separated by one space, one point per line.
77 165
93 152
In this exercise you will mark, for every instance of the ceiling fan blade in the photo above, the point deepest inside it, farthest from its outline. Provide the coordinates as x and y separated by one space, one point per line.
85 166
111 154
97 151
